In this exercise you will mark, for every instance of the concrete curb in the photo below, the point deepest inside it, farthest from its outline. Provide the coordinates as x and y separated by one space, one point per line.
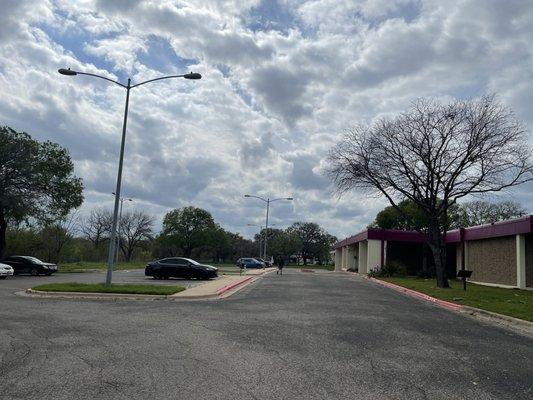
96 296
519 325
528 325
224 289
414 293
223 292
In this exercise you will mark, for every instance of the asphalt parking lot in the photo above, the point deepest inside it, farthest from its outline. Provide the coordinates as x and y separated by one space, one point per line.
296 336
136 276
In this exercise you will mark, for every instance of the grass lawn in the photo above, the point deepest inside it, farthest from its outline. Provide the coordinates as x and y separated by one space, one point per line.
513 302
84 266
114 288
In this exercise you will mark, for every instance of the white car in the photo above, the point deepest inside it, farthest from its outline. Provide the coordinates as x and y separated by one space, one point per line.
5 271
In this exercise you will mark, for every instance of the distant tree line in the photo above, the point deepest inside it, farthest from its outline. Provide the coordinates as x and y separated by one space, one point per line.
39 191
409 216
187 232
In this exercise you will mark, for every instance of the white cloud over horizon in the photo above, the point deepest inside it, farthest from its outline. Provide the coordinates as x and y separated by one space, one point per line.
282 80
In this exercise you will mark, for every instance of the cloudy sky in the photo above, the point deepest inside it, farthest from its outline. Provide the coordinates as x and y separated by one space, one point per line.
282 80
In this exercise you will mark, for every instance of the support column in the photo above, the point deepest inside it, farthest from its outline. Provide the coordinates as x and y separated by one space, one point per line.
343 262
374 254
350 261
338 259
521 261
362 267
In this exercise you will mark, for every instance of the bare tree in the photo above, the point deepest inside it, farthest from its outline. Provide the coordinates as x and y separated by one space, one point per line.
97 226
135 227
433 155
57 234
482 212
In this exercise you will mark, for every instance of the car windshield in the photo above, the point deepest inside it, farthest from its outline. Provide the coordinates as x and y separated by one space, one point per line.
33 259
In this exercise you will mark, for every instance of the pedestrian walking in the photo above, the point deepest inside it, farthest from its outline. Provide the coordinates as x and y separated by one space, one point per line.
281 264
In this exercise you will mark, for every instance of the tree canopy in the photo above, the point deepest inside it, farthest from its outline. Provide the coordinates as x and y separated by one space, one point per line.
36 180
185 229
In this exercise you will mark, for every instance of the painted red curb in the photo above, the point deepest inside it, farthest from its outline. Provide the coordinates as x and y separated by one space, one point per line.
418 295
224 289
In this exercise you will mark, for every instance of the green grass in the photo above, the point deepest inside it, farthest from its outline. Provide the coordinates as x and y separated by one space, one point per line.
513 302
85 266
114 288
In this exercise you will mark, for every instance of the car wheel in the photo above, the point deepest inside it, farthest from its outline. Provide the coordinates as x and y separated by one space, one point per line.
34 272
3 277
48 274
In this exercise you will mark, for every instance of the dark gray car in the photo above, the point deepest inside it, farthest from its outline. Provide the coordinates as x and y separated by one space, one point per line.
179 268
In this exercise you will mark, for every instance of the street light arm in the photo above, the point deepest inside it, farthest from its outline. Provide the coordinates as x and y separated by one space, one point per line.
257 197
101 77
157 79
188 76
281 198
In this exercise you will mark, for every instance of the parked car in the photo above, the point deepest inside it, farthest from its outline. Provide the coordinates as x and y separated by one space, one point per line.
30 265
249 263
5 271
179 268
267 263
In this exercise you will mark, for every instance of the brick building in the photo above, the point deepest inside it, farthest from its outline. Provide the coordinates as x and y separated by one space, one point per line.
499 254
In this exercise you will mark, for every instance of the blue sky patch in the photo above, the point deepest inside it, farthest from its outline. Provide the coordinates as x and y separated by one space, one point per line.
162 57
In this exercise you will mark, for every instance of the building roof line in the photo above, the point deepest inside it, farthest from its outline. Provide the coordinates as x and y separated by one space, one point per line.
509 227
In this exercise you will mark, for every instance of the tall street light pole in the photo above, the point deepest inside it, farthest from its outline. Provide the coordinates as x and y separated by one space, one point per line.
119 225
128 87
267 201
260 230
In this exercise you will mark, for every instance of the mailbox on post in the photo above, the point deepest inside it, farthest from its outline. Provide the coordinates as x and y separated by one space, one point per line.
463 274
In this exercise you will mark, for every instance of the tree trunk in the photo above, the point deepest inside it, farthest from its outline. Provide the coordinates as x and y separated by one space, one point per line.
3 228
438 248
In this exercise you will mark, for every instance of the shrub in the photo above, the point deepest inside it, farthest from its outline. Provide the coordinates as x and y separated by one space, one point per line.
391 269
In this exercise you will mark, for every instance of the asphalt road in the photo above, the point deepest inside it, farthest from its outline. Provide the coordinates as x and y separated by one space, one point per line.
296 336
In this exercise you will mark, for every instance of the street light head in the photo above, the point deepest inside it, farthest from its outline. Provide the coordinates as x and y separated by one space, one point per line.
246 195
69 72
289 198
192 75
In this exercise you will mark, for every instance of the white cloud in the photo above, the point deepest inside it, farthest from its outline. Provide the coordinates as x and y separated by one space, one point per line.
266 123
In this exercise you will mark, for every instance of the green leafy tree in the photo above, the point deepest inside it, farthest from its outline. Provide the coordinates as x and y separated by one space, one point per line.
311 240
36 181
409 216
186 229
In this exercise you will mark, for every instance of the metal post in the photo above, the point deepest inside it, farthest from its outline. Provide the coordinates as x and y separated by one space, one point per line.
259 240
119 225
112 243
266 231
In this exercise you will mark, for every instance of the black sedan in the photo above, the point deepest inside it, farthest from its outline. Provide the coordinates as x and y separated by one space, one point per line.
29 265
179 268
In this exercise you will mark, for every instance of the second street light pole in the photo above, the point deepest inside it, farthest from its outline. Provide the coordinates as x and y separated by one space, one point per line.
266 232
267 201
